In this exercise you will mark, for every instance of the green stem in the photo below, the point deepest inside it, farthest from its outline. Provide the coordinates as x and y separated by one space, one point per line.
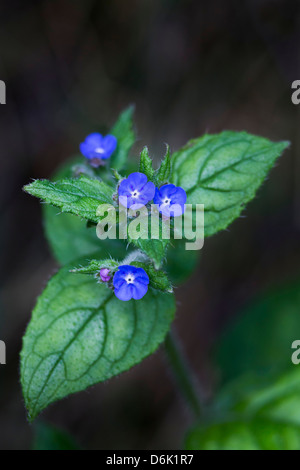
183 374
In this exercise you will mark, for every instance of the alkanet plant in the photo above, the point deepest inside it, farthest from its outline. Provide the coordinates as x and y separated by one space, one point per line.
112 303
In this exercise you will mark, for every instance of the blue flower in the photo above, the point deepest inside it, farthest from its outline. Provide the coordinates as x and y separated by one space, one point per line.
170 195
136 190
130 283
97 148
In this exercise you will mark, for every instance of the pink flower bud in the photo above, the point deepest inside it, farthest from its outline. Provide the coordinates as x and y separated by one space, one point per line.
104 274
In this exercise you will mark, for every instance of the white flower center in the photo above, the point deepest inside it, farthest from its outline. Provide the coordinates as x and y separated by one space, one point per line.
135 194
129 278
99 150
166 201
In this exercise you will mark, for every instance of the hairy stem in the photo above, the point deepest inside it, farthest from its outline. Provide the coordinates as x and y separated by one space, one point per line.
136 255
183 374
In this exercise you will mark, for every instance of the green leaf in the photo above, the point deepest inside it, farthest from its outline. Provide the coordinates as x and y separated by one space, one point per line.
50 438
70 238
95 265
80 196
259 341
146 165
223 172
277 400
154 249
68 235
81 334
163 174
258 350
243 434
123 131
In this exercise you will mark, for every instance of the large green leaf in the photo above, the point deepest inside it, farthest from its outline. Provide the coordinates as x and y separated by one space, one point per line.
223 172
81 196
243 434
81 334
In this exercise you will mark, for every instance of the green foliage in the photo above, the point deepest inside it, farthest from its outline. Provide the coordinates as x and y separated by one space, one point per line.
80 196
70 238
94 267
269 383
259 341
263 417
68 235
223 172
278 399
160 176
180 263
81 334
265 414
146 165
154 249
261 405
158 279
163 174
47 437
123 131
239 434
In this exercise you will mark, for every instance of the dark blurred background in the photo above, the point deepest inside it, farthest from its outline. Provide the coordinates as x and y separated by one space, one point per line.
190 67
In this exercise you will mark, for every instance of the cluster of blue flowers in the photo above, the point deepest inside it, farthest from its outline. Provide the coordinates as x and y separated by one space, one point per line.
135 191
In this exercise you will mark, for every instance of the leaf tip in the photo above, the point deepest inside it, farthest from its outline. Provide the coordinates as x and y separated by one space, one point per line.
286 144
28 188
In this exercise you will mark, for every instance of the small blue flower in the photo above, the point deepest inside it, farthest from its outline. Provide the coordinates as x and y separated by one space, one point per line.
136 190
97 148
170 195
130 283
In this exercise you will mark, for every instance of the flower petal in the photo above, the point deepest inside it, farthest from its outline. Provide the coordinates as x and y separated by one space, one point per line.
137 180
125 292
149 191
139 290
109 144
